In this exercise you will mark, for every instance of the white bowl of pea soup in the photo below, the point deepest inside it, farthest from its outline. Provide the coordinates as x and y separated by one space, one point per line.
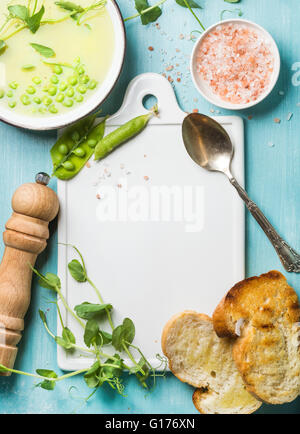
58 60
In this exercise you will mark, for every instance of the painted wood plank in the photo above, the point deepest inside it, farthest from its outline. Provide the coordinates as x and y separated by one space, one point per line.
272 178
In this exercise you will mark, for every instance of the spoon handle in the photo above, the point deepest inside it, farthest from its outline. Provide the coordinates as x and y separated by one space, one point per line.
289 258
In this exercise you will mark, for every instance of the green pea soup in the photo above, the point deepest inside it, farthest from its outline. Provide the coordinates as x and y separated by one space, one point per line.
32 81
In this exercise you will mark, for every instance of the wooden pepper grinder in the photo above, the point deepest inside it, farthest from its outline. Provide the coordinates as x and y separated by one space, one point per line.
34 206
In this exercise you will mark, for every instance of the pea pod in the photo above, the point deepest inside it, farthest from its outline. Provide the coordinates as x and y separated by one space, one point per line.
122 134
75 147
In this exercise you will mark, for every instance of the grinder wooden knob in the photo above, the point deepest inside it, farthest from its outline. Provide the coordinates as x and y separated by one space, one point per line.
34 206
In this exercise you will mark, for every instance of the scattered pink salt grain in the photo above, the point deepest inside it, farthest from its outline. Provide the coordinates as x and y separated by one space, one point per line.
236 62
146 178
195 111
277 120
98 196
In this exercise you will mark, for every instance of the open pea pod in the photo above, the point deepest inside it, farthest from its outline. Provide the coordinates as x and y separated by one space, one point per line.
75 147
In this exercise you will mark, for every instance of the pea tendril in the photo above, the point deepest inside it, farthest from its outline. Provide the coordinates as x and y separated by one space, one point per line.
106 368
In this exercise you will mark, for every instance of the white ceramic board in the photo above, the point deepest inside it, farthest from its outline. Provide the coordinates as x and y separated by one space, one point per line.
156 246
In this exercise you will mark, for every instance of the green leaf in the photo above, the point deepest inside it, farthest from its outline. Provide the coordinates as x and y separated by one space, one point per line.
42 316
49 281
69 6
108 372
91 376
88 310
68 335
47 385
67 340
148 17
91 332
19 11
192 3
77 271
123 333
143 378
46 373
34 22
43 50
60 341
106 338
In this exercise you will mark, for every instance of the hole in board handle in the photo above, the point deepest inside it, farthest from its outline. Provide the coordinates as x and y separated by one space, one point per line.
149 101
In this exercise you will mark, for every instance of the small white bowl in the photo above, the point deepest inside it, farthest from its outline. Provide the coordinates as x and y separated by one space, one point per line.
205 89
82 110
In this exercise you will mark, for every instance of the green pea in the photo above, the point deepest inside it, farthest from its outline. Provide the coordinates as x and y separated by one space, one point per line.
36 80
81 70
68 165
70 92
45 89
60 97
92 143
37 100
58 69
92 84
12 104
54 79
79 98
10 94
79 152
52 90
13 85
75 136
81 89
68 103
42 110
84 79
47 101
31 90
73 80
121 135
2 93
63 86
25 99
63 149
82 153
53 109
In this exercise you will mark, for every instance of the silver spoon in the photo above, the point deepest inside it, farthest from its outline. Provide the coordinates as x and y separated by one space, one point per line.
209 145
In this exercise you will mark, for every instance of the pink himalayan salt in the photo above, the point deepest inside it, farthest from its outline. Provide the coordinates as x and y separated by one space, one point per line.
236 62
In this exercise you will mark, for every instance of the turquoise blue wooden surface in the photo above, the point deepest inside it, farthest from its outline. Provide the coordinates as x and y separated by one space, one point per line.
272 178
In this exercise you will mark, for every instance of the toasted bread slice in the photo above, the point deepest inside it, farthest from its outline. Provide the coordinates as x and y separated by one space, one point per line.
198 357
262 314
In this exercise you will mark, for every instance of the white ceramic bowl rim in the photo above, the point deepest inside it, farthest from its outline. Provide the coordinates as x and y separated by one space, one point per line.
58 121
215 99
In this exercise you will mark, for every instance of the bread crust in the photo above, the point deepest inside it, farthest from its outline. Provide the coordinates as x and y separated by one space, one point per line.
198 357
199 396
267 352
166 332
